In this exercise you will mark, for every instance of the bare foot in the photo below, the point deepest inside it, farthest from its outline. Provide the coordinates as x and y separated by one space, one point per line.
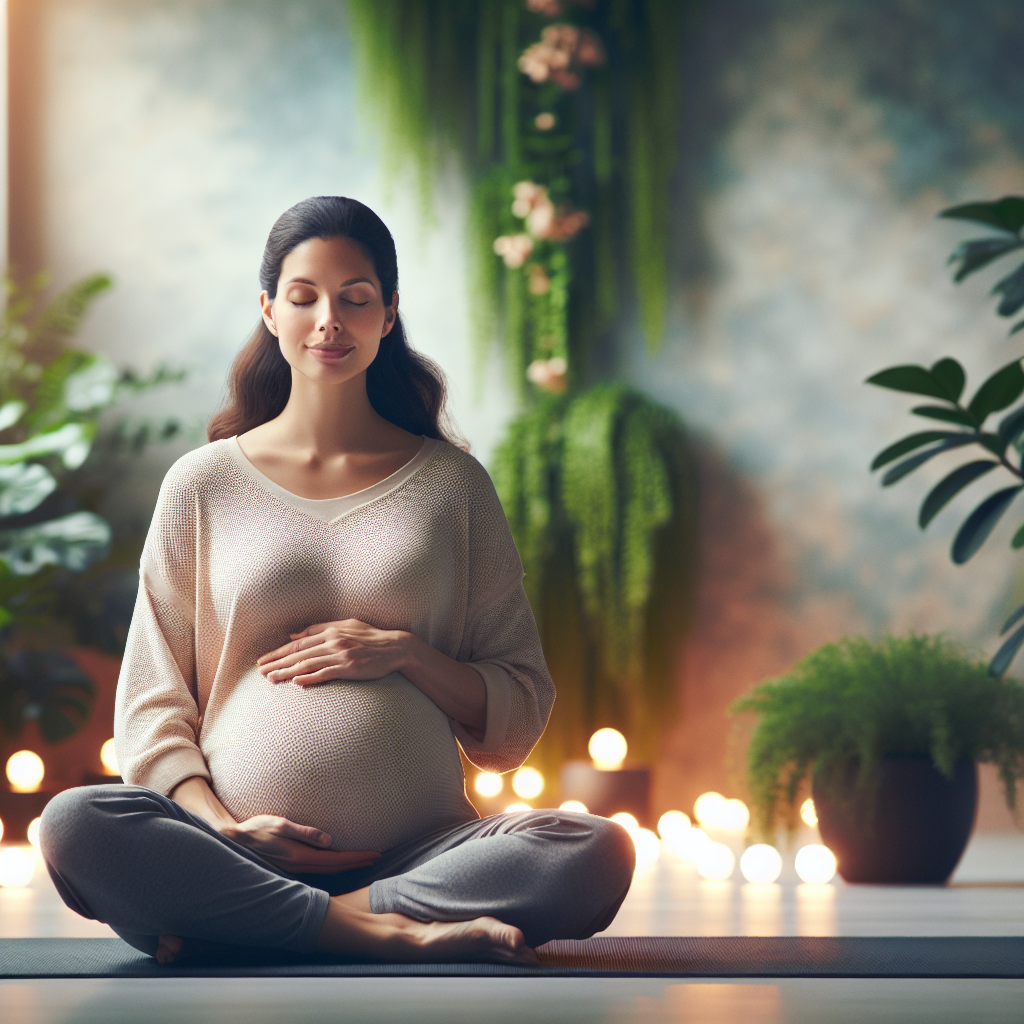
398 938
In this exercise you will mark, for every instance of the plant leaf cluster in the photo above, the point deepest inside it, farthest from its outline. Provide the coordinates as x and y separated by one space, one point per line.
966 423
599 493
849 704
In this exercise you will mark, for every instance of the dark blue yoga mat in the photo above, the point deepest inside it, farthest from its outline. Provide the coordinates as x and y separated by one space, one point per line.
727 957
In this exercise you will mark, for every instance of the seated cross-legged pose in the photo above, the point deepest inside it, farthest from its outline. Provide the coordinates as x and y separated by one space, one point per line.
330 604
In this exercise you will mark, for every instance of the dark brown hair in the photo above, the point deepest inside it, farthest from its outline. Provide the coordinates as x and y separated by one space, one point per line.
403 386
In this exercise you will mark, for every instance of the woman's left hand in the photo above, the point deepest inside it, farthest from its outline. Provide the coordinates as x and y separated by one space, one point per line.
328 651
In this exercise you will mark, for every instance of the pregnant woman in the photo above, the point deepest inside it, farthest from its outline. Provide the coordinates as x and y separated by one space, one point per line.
330 604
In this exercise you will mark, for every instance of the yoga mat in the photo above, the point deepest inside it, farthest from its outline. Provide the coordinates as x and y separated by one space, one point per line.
729 957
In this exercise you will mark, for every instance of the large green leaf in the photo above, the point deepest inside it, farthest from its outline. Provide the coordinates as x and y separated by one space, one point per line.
913 379
950 486
1012 426
950 374
1007 213
901 469
980 253
1002 658
1011 288
981 522
24 486
908 444
947 415
10 413
1003 388
71 442
73 541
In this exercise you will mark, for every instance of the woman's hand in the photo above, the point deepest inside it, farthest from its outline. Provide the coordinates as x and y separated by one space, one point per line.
296 849
337 650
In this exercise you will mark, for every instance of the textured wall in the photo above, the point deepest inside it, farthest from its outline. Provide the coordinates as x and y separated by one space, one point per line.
820 139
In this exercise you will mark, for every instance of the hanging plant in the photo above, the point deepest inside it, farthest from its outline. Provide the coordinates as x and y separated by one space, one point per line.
563 118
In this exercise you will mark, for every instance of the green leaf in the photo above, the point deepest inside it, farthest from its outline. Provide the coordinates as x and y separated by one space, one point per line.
23 487
1011 426
1019 326
73 541
1007 213
914 379
993 443
940 412
1003 388
981 522
980 252
950 486
10 413
1015 616
1011 288
899 471
1018 539
1002 658
908 444
950 374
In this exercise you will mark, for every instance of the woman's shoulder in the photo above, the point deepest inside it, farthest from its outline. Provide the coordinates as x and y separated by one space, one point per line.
455 466
199 470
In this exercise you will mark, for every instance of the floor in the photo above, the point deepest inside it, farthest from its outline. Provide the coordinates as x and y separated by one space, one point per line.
985 897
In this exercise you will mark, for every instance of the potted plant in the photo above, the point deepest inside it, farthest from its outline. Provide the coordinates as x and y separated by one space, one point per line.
889 735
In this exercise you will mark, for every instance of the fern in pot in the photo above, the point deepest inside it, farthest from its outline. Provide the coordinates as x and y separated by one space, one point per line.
889 736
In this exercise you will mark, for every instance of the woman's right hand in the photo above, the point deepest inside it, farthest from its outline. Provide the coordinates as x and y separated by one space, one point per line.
296 849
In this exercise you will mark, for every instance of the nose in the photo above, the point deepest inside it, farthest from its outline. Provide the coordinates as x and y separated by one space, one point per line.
329 323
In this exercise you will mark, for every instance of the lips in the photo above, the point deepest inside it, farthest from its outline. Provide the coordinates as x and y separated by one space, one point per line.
331 353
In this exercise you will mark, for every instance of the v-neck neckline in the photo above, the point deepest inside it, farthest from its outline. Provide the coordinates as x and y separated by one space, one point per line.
327 510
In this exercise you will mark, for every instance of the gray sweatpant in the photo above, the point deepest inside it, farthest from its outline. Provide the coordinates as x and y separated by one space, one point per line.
141 863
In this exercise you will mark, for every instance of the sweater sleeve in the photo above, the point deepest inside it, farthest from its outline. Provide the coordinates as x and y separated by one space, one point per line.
501 642
156 715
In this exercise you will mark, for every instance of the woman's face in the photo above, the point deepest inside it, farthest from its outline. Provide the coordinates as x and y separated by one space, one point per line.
329 313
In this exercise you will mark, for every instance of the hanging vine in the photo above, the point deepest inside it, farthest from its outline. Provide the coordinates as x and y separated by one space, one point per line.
563 117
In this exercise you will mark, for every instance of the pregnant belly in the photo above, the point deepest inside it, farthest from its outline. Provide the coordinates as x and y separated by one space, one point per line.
373 764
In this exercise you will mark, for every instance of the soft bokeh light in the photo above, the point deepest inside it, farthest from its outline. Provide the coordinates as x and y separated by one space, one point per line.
1 828
808 812
108 758
573 805
687 845
733 816
607 748
33 832
16 868
25 770
517 807
672 824
627 821
528 783
648 847
707 809
488 784
715 862
761 864
815 864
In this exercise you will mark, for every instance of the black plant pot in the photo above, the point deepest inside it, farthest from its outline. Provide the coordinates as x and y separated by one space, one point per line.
912 830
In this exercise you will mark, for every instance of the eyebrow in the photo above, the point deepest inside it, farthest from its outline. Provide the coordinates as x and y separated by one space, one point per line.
344 284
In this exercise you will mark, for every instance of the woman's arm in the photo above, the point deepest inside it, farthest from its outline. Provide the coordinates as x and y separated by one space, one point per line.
354 650
297 849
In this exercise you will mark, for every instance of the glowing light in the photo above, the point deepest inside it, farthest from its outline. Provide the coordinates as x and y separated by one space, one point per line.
673 823
627 821
25 771
707 809
715 862
528 783
108 757
761 864
15 868
573 805
488 784
688 844
816 864
33 832
648 847
1 829
808 812
607 748
733 816
512 808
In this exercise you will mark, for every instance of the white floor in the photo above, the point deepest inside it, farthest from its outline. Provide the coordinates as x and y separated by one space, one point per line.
986 897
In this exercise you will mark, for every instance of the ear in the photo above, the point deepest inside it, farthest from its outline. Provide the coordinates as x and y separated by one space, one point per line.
267 306
390 315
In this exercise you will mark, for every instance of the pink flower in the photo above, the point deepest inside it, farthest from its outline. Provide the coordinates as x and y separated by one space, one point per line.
545 121
549 374
566 225
537 280
513 249
549 8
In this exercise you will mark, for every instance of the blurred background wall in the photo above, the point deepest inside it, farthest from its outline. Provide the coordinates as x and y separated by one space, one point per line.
159 139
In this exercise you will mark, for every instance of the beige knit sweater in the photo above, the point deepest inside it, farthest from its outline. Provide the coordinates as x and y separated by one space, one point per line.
234 563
